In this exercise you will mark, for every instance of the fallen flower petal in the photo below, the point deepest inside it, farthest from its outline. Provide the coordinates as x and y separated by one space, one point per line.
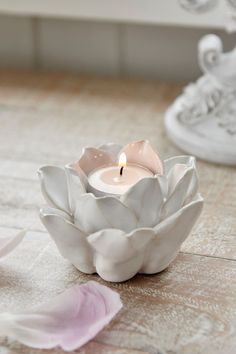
70 320
8 243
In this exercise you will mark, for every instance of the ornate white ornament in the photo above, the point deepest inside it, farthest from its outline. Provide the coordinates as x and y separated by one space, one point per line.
117 237
201 6
198 6
202 121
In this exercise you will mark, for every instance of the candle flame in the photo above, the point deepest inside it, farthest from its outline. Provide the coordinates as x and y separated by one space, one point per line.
122 160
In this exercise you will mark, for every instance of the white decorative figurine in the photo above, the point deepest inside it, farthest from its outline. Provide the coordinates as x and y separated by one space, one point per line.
119 211
202 121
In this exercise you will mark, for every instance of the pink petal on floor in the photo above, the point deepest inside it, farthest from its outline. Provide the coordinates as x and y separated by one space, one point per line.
69 320
8 243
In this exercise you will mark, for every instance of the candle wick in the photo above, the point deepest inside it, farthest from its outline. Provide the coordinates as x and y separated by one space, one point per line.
121 170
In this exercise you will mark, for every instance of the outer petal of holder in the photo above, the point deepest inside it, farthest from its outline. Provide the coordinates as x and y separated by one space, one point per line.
189 161
119 256
75 169
111 148
94 214
142 153
75 187
164 185
177 174
169 235
93 158
145 198
119 246
54 186
180 193
70 240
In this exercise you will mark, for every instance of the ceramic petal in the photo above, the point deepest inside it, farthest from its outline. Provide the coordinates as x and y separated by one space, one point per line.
93 158
54 187
93 214
119 246
118 272
119 256
76 187
189 161
142 153
145 198
70 240
169 235
176 174
180 190
111 148
69 320
9 243
76 170
176 167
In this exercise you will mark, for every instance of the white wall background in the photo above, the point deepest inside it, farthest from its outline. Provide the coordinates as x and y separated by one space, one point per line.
166 50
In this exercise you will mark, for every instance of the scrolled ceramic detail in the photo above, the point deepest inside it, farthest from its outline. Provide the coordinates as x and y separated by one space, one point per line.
212 96
117 237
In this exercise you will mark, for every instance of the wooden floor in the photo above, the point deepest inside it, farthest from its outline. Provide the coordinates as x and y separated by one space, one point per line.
46 119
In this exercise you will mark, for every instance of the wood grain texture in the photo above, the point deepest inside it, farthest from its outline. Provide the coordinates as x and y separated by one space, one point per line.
46 119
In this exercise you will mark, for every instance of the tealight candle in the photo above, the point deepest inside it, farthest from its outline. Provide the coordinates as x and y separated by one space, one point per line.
117 179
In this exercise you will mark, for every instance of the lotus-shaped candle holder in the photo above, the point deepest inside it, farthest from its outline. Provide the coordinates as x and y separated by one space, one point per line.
117 236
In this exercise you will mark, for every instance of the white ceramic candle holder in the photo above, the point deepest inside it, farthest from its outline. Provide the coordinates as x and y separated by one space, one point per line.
140 231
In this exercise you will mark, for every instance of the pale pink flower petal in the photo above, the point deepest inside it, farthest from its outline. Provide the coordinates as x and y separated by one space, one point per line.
69 320
141 153
8 243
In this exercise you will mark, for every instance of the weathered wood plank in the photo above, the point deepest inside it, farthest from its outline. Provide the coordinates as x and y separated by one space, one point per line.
90 348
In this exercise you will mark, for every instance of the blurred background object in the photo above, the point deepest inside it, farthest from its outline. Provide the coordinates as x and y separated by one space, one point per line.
202 121
136 38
